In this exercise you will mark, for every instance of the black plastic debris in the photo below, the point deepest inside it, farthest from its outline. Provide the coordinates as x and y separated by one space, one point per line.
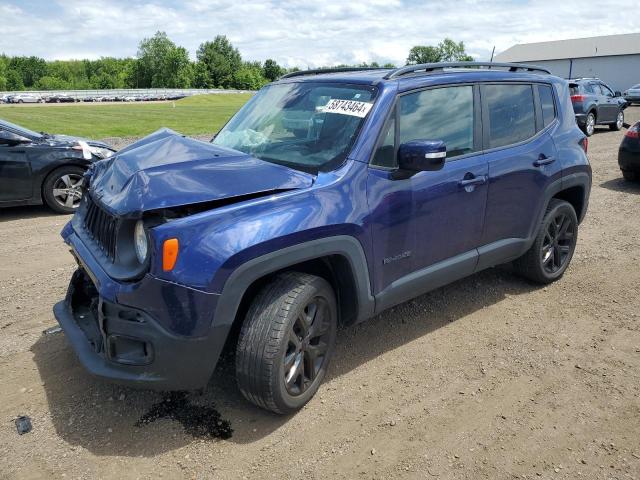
197 420
23 425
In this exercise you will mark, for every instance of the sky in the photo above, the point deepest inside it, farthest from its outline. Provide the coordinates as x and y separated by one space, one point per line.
299 32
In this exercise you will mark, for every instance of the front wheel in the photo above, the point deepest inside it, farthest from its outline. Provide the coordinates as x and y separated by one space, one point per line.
552 250
62 189
619 122
630 175
286 342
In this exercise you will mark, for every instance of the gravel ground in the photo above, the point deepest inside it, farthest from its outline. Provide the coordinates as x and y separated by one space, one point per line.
487 378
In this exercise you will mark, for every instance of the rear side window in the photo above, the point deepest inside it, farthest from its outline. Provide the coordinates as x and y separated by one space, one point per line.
588 88
547 105
439 114
511 114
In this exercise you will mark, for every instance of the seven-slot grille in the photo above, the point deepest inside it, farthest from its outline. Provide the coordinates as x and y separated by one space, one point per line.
102 227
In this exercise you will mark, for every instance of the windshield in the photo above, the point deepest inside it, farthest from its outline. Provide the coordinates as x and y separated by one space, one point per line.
308 126
19 130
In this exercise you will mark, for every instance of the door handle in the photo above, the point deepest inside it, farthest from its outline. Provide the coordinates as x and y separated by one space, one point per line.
543 160
479 180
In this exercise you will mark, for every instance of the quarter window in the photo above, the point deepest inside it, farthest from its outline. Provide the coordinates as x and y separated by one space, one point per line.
511 114
546 102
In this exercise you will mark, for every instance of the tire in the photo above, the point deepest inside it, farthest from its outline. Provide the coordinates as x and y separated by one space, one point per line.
273 367
68 178
630 175
20 101
619 122
589 124
547 260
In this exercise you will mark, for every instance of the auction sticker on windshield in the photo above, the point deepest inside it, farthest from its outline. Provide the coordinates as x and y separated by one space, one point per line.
348 107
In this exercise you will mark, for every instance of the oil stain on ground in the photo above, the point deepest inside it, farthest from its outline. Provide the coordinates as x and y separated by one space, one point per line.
197 420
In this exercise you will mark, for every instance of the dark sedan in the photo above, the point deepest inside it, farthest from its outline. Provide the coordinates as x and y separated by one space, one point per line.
40 167
632 95
629 153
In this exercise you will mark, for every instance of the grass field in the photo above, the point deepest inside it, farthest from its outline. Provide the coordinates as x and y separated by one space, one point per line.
200 114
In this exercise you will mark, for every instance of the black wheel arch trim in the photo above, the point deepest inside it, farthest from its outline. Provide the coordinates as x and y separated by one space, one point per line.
249 272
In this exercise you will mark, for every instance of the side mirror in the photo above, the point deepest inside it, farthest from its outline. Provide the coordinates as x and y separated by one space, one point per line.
617 94
422 155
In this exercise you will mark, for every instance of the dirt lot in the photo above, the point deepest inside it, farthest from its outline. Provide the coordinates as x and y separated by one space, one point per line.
490 377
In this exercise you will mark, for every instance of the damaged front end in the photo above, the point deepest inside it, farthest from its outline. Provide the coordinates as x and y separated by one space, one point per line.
124 320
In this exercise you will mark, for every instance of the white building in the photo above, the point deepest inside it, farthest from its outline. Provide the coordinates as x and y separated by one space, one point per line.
614 59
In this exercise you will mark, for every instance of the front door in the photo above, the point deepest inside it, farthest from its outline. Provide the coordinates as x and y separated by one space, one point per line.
428 220
15 170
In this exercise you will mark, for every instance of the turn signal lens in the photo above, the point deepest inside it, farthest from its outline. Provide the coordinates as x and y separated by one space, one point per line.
169 254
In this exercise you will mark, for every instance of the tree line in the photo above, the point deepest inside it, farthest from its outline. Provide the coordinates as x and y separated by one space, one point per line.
160 63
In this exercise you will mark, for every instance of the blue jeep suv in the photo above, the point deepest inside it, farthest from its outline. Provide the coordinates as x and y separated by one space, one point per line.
328 198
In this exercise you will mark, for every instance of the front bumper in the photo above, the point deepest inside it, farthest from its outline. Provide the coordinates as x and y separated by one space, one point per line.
114 328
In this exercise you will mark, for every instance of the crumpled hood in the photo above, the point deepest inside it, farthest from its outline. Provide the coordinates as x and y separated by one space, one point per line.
166 169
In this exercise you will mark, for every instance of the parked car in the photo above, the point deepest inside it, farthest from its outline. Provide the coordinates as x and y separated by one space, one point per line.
406 180
59 98
39 167
629 154
26 98
5 98
594 103
632 95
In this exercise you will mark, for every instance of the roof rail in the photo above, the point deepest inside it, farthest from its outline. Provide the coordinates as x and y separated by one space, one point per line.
320 71
432 67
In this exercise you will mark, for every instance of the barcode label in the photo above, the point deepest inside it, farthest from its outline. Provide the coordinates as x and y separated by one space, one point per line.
348 107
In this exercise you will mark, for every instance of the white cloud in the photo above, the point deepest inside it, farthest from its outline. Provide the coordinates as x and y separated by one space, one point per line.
301 32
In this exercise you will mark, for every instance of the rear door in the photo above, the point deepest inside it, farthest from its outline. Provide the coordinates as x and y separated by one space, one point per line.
517 121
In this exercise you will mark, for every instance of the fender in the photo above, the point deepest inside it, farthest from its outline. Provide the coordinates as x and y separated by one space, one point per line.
247 273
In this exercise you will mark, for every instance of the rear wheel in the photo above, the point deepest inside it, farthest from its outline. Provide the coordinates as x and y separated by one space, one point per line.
619 122
286 341
630 175
62 189
589 124
552 250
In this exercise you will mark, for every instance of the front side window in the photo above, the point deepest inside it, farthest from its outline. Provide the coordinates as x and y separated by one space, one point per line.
547 105
606 90
308 126
511 114
439 114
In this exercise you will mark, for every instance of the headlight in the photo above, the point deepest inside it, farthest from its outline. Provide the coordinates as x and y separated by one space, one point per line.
141 241
100 152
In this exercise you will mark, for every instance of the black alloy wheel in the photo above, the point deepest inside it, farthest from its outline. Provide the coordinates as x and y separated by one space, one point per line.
307 345
558 243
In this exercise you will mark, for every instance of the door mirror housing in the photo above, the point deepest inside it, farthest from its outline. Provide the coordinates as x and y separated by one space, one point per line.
617 94
422 155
